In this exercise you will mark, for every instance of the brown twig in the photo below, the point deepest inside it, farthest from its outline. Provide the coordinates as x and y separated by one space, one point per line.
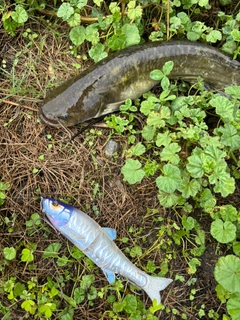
19 105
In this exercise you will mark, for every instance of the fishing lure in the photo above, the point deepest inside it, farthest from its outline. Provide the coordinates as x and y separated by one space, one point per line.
97 243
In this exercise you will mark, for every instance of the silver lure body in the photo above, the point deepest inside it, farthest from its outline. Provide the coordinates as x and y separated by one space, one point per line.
97 243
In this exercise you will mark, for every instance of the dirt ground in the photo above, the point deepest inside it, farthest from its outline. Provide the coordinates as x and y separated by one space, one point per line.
74 171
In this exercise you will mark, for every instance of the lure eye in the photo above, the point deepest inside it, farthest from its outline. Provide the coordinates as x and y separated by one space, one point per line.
55 203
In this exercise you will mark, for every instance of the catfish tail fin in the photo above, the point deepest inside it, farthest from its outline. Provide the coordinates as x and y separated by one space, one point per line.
154 285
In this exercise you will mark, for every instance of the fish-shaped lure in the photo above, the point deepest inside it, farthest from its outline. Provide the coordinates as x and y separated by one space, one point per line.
97 243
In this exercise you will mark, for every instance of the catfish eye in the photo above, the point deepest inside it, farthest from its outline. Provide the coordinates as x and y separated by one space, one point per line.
64 116
55 203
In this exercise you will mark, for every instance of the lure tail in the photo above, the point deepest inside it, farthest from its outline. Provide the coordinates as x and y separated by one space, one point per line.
154 285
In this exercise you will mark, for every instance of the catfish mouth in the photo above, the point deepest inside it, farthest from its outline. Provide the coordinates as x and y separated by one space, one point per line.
50 122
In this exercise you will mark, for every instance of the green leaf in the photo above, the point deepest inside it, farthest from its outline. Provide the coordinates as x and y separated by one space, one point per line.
223 232
92 293
193 263
167 67
52 250
27 255
151 267
97 52
195 163
130 303
119 306
65 11
156 119
228 213
224 107
234 91
204 3
77 35
207 200
2 195
227 273
193 36
163 139
236 248
117 123
54 291
19 15
4 186
9 253
27 305
233 306
92 34
155 306
136 150
117 41
87 280
18 289
169 153
62 261
156 75
81 3
134 11
236 35
189 188
225 184
230 136
47 309
131 33
170 180
168 199
98 2
136 251
148 132
188 223
73 21
148 105
132 171
79 294
150 168
165 83
214 36
222 293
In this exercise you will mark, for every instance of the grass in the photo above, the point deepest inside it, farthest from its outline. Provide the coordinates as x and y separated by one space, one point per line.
191 235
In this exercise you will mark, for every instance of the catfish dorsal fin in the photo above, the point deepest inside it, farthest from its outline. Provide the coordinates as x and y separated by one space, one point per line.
111 233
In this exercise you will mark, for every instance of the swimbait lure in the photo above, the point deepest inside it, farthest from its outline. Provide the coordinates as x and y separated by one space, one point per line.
97 243
103 87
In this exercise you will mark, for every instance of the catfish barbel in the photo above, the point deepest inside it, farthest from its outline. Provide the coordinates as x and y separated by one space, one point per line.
103 87
97 243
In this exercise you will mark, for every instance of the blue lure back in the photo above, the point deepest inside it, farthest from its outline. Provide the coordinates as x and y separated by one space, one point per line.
97 243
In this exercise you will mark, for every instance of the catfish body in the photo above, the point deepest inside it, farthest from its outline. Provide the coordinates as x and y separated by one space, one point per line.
103 87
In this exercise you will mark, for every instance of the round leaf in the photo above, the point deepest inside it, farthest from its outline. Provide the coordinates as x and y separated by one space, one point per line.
171 179
233 306
20 15
65 11
9 253
223 232
132 171
77 35
227 273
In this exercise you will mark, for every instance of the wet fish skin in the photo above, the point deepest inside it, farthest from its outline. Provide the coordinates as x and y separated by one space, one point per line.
97 243
102 88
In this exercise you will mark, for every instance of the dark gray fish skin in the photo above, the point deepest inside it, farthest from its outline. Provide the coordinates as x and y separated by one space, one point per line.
124 74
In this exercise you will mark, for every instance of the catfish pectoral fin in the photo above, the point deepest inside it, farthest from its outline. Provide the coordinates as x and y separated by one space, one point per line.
110 108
